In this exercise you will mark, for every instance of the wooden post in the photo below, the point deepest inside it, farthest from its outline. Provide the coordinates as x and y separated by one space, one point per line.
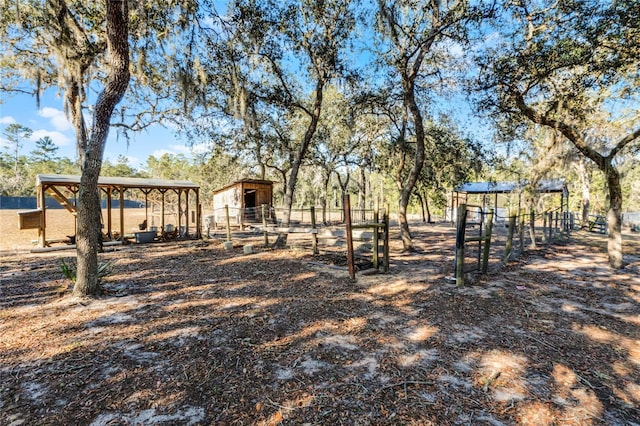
109 193
121 189
550 230
264 225
487 241
314 236
460 230
179 194
199 216
198 222
572 221
42 203
162 229
228 221
347 219
521 230
509 243
374 248
385 247
187 234
532 227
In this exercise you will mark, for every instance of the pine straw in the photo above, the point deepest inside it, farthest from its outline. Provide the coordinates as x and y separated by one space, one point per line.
188 333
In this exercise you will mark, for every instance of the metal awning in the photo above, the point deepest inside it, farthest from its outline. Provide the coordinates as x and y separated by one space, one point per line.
548 186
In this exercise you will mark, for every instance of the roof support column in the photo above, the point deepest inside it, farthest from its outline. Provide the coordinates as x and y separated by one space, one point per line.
186 203
43 218
198 213
121 189
109 223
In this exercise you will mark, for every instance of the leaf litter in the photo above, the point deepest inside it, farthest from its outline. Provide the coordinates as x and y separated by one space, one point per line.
188 333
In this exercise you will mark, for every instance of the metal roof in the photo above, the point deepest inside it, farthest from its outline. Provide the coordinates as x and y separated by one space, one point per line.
115 181
241 181
506 187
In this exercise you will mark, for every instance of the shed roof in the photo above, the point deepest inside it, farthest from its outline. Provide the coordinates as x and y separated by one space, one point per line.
547 186
116 181
241 181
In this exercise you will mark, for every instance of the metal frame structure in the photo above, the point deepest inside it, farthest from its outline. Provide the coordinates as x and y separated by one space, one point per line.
496 188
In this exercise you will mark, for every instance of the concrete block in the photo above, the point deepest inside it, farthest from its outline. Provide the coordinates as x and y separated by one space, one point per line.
248 249
228 245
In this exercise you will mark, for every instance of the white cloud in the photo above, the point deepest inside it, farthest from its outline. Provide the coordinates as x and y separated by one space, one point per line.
56 117
187 151
191 150
58 138
160 152
7 119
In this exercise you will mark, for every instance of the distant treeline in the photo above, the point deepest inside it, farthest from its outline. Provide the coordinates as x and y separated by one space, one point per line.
19 203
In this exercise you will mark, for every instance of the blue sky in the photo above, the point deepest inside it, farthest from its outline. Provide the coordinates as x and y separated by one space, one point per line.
50 120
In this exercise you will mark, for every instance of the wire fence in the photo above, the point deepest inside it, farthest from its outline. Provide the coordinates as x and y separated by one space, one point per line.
484 237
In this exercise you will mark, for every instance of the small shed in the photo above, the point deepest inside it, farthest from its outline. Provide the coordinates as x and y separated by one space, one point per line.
244 199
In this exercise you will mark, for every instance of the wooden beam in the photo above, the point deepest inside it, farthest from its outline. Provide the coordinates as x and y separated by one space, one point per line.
121 190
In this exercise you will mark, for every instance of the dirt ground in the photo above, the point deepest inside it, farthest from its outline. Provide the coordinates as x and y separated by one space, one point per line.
188 333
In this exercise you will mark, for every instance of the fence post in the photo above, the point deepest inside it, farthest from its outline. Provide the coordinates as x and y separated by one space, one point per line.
385 249
460 230
226 214
572 221
264 225
314 235
487 242
532 227
347 220
521 230
374 249
509 243
550 237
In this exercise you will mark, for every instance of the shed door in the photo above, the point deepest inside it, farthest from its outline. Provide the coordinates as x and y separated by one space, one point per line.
250 204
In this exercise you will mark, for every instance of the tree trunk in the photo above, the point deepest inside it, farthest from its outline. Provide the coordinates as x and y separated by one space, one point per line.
614 214
302 152
410 182
614 217
422 211
88 238
362 193
585 182
426 204
297 162
325 191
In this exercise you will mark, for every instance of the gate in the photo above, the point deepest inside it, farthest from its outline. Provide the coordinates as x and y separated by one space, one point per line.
471 227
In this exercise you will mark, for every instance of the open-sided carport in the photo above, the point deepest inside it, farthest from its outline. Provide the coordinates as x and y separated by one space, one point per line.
508 189
64 189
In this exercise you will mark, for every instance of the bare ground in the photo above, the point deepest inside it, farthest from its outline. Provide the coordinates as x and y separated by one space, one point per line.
188 333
